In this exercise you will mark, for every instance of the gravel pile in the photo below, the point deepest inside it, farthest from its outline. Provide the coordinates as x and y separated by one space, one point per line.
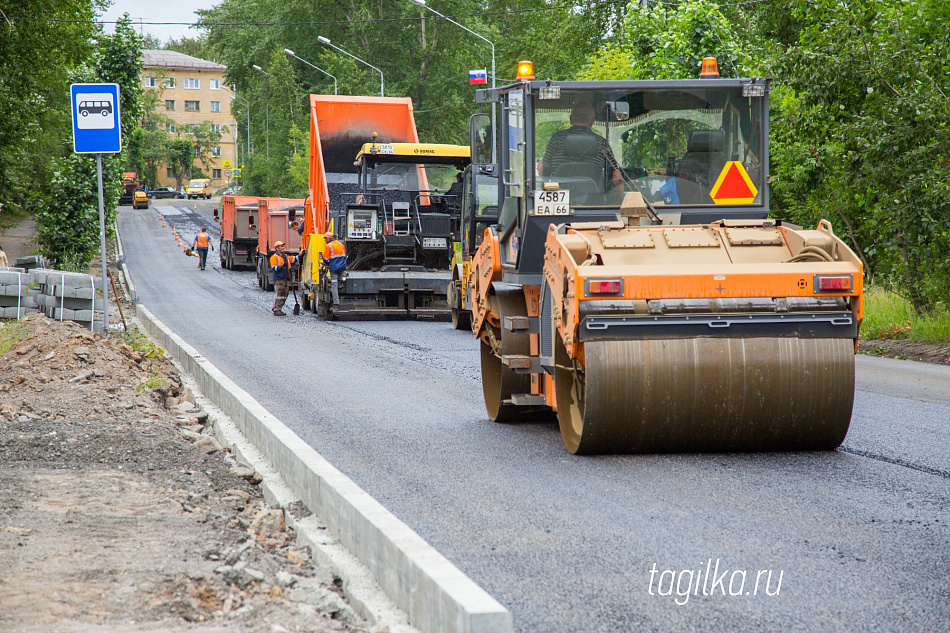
121 511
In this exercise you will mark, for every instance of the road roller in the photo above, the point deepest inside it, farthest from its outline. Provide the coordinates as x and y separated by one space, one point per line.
635 284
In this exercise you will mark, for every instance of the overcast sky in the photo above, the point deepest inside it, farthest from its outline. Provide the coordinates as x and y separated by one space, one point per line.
159 11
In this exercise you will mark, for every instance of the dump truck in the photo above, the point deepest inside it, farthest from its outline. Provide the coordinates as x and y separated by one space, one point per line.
279 218
635 284
387 197
239 232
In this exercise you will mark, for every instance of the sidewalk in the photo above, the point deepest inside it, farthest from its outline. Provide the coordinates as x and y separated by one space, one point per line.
18 240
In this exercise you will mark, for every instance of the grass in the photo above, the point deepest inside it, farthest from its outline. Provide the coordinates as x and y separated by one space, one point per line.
890 316
10 332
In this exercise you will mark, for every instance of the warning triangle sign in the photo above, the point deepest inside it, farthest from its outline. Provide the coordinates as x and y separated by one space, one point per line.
733 185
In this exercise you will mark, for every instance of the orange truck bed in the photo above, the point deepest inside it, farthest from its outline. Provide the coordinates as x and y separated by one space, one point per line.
339 126
239 232
275 219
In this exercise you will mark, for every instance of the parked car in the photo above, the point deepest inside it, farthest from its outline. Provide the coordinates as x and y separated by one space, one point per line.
139 199
165 192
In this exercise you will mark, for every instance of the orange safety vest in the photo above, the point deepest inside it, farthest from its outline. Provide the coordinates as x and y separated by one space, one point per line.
203 240
334 249
275 260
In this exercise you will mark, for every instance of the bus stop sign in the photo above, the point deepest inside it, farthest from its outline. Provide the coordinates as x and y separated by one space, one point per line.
97 125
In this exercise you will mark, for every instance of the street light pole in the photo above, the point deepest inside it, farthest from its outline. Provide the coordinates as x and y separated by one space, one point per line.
247 106
291 53
266 113
422 3
324 40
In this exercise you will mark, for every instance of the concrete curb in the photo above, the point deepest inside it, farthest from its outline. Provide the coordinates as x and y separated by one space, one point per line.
434 593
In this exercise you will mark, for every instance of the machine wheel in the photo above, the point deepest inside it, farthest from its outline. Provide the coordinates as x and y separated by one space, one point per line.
461 319
499 382
304 299
705 395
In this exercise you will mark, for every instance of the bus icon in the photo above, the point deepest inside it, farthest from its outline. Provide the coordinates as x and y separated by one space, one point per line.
96 107
95 111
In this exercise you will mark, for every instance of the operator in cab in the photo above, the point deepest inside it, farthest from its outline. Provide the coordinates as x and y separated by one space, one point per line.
579 151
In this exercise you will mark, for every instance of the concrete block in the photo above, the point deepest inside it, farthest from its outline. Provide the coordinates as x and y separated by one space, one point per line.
13 302
15 277
13 313
72 304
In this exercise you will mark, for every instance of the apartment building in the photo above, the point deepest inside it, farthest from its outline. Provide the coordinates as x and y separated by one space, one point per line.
192 92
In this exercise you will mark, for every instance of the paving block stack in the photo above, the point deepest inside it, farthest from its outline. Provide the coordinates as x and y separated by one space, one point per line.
68 296
16 296
60 295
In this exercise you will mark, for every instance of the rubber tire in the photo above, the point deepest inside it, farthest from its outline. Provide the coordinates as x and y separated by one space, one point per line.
461 319
499 382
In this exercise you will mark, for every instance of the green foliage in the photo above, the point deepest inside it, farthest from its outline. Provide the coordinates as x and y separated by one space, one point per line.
669 42
68 224
11 331
861 134
120 62
38 56
179 157
890 316
67 221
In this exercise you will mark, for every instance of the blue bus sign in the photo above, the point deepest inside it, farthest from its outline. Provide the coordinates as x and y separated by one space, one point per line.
97 125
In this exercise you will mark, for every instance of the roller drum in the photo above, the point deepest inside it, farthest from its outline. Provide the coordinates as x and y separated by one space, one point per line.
706 395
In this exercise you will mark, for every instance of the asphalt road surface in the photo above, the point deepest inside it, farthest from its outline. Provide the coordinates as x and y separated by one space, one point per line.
855 540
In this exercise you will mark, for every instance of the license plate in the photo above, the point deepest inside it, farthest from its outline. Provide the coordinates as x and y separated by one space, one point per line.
433 242
552 202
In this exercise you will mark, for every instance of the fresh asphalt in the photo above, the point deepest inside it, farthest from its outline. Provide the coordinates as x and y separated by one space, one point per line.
860 536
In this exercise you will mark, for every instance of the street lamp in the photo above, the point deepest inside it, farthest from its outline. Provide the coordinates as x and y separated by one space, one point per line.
324 40
291 53
247 106
266 113
422 3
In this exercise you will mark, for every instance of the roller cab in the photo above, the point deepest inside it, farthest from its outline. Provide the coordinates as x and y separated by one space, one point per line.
635 286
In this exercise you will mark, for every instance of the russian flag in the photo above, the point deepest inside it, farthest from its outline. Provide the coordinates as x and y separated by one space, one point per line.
478 76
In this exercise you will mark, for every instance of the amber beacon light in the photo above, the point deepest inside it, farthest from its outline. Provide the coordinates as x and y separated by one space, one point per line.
525 71
710 68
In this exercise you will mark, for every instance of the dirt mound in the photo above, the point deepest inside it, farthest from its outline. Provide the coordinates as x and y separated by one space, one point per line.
906 350
120 509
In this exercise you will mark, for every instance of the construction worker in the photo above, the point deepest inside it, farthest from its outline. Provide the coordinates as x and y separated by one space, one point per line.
335 255
280 263
201 244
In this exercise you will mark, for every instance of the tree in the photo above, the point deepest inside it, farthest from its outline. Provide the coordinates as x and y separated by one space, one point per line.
863 133
68 219
670 42
34 92
180 157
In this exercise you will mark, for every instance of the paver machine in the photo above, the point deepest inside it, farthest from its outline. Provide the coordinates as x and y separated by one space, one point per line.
386 196
634 283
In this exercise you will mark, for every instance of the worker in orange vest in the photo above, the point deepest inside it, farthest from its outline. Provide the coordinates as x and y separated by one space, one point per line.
201 244
335 256
280 263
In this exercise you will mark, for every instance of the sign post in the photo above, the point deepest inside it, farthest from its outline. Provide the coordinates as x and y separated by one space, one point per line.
97 130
